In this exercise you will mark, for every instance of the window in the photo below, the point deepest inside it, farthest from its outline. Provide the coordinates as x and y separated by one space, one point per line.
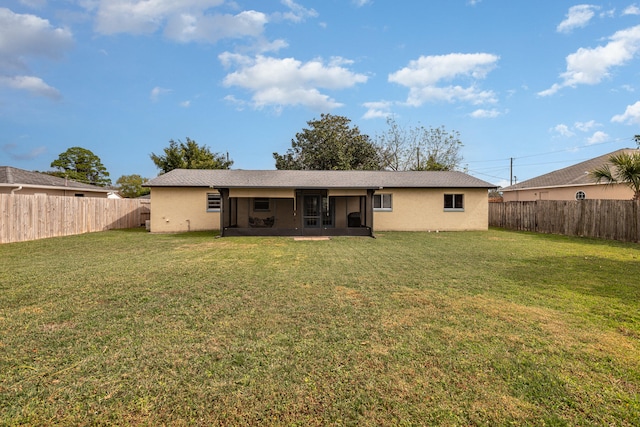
454 202
580 195
382 202
261 204
79 195
213 202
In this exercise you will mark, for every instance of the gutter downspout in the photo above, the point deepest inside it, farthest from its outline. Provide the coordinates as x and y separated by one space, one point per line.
16 189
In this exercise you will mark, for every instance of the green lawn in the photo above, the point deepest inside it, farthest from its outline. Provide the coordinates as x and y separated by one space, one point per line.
477 328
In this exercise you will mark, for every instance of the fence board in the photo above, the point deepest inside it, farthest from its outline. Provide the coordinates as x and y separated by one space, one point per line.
32 217
606 219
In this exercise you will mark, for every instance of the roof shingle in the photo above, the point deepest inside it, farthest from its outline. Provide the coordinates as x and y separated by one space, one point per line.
15 176
315 179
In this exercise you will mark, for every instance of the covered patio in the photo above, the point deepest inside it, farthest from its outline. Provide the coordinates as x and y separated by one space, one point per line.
296 211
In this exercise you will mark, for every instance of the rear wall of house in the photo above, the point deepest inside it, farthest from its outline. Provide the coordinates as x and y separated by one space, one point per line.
615 192
178 209
423 210
280 209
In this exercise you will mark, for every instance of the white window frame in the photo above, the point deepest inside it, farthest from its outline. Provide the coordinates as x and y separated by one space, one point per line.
384 207
214 202
457 207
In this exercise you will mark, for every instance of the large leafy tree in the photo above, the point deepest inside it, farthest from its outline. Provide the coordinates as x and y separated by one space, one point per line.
329 144
189 155
621 168
419 148
130 186
80 164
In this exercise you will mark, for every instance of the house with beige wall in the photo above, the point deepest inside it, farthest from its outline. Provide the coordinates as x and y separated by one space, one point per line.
20 181
316 203
571 183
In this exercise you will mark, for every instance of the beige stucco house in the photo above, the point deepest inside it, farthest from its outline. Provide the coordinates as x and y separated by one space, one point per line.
20 181
570 183
316 203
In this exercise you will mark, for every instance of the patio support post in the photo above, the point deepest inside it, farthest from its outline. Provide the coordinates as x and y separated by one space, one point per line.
225 210
369 211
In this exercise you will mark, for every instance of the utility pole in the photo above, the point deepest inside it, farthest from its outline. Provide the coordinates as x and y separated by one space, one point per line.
511 172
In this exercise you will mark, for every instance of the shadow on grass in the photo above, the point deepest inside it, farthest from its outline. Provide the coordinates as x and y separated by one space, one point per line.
561 238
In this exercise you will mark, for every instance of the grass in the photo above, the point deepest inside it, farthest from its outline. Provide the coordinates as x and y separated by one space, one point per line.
478 328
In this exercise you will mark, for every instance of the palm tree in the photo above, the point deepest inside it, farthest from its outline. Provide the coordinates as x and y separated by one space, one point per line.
621 168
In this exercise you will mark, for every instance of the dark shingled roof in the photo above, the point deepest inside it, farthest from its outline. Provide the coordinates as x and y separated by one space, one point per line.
15 176
314 179
578 174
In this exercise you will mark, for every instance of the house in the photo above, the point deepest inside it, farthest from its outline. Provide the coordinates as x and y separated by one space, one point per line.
20 181
570 183
316 203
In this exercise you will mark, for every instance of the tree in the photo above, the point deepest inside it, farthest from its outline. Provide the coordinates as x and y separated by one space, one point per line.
189 155
329 144
80 164
130 186
419 148
623 168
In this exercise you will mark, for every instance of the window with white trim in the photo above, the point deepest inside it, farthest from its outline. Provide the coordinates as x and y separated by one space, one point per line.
382 202
213 202
580 195
454 202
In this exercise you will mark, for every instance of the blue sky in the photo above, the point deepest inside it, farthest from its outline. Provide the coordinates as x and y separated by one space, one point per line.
548 84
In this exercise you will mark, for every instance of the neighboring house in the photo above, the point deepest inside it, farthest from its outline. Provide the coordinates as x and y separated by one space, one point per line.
20 181
571 183
242 202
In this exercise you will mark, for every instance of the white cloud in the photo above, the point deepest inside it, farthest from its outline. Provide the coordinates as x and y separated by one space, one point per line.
158 91
424 76
591 66
185 104
586 126
138 17
611 13
361 3
296 12
31 84
598 137
279 82
569 131
563 130
199 27
377 109
24 35
191 20
577 17
632 10
630 116
485 114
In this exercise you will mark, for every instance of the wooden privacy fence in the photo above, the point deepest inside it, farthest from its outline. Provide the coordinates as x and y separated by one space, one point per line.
606 219
28 217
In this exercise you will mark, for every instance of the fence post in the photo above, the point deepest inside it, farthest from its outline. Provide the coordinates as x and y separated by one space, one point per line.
636 216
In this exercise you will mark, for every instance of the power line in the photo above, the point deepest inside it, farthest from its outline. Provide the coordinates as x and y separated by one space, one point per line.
555 151
511 159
